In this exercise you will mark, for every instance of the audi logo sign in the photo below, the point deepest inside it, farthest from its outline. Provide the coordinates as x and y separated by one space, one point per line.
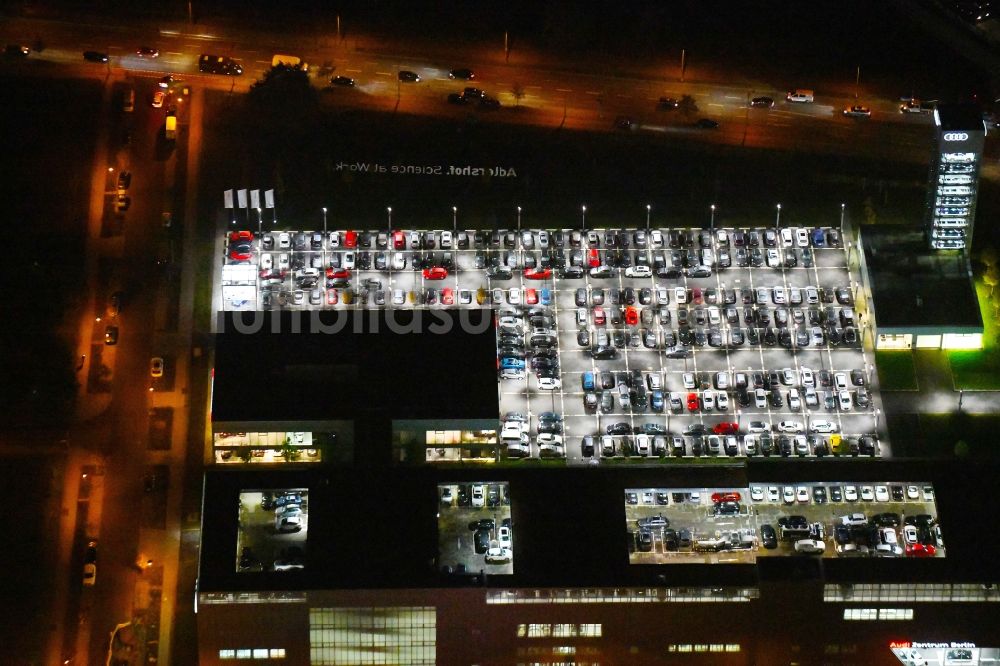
956 136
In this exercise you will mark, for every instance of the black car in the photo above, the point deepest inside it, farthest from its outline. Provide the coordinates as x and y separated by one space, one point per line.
794 522
408 77
885 520
95 56
482 524
819 495
897 493
768 537
482 541
842 534
342 81
644 541
706 123
835 494
726 508
620 428
463 73
762 102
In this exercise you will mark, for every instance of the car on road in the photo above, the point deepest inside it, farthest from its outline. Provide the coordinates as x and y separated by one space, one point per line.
762 102
95 56
111 335
344 81
158 98
463 74
407 76
147 52
858 111
156 367
706 123
90 564
667 104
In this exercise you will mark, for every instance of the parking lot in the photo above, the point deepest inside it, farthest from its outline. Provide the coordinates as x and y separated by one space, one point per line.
658 344
475 533
737 525
273 530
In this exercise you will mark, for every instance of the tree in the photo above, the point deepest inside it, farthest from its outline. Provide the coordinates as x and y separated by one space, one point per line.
687 106
289 452
991 278
518 92
988 256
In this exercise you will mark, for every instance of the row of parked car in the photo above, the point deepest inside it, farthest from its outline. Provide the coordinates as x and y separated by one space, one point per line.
654 440
881 535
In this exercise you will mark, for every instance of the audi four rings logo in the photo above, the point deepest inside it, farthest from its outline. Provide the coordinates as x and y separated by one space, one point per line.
955 136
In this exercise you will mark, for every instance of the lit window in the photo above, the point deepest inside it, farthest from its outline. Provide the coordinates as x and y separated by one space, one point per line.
227 654
539 630
564 649
716 647
895 613
522 629
732 647
260 653
243 653
277 653
590 630
685 647
860 613
701 647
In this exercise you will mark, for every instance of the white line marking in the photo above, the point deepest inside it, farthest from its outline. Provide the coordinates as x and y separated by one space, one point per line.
563 90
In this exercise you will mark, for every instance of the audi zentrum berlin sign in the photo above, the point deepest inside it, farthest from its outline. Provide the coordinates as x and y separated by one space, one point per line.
956 136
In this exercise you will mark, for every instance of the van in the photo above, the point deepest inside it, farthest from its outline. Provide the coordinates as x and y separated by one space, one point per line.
800 95
128 100
290 61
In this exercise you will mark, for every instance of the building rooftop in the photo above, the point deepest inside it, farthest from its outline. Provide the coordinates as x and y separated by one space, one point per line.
380 364
915 287
959 117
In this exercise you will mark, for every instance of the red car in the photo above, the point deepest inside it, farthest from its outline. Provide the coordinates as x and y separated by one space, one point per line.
593 258
398 240
350 238
337 273
920 550
725 428
332 297
696 296
447 296
240 245
631 316
435 273
692 401
725 497
530 296
537 273
599 318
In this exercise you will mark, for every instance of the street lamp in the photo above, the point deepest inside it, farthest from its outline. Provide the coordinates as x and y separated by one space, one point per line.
518 219
326 240
777 219
648 209
712 223
454 218
388 210
259 225
583 217
842 207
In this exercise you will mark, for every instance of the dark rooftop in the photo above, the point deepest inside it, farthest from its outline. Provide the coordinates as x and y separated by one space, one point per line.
916 287
377 528
352 365
960 117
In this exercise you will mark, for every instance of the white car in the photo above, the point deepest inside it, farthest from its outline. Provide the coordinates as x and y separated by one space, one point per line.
928 493
867 494
780 297
808 379
662 296
823 426
760 399
478 496
639 271
283 262
498 555
881 493
514 296
794 402
788 495
844 400
398 297
802 494
446 239
789 426
759 426
850 493
464 297
756 493
688 379
334 240
707 400
722 401
910 534
840 381
513 430
655 239
550 439
680 295
284 240
290 519
772 258
398 261
786 237
503 537
773 494
549 383
809 546
266 262
801 237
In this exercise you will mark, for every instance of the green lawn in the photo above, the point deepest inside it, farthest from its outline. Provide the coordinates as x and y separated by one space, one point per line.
896 371
935 435
980 370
